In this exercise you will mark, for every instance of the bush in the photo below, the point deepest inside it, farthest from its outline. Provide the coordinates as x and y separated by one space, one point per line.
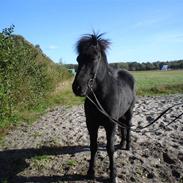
26 74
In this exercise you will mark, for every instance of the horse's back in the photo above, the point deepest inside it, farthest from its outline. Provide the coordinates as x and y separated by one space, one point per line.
124 77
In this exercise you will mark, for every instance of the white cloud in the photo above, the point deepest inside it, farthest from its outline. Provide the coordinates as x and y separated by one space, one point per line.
150 22
168 38
53 47
178 38
146 23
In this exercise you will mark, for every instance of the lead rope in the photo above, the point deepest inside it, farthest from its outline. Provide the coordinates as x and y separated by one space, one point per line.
156 119
155 130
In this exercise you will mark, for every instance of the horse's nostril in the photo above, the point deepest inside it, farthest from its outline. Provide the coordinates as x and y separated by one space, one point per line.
78 88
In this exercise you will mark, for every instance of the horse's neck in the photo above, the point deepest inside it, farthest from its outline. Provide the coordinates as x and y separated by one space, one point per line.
103 80
103 76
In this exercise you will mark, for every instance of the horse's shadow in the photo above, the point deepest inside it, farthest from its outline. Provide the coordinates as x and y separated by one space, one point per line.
13 162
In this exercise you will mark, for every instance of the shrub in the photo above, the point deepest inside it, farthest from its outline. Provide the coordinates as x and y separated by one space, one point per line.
26 74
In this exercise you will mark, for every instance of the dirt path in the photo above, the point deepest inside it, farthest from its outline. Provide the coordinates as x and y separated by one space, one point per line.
55 148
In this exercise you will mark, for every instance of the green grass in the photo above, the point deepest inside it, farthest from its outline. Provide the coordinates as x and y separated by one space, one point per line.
159 82
66 98
41 158
41 161
71 163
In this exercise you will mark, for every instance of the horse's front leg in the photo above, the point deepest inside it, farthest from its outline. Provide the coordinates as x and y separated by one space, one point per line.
93 132
128 138
110 132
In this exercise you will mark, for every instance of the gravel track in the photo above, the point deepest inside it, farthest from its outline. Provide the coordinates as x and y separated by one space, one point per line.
56 147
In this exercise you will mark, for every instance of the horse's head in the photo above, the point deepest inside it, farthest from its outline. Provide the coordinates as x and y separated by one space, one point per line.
91 55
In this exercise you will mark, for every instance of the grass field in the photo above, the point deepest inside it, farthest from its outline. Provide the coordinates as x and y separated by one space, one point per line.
159 82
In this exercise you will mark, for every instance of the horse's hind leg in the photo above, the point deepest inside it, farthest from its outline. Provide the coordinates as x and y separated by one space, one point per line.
125 132
123 137
93 132
128 130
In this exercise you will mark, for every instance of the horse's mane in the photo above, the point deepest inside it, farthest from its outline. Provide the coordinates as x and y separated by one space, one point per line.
89 40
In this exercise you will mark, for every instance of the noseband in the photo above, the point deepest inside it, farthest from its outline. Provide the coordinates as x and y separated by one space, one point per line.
92 80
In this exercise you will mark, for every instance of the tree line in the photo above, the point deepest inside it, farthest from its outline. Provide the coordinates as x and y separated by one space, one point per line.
136 66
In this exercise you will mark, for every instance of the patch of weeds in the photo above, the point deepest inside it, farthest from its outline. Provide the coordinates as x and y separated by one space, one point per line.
41 158
40 161
139 172
71 163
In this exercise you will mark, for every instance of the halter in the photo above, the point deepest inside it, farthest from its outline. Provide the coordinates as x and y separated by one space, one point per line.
92 80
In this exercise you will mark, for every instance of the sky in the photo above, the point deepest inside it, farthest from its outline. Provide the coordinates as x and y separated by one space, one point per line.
139 30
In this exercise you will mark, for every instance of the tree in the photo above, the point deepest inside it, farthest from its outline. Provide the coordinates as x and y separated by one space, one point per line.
37 46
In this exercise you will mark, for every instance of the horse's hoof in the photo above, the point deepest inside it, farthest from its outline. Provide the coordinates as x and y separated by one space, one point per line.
122 146
127 147
114 180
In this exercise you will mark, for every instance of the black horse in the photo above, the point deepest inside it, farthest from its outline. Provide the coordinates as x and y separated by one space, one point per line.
109 88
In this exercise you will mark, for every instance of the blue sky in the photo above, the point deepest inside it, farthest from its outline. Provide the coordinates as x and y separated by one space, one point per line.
140 30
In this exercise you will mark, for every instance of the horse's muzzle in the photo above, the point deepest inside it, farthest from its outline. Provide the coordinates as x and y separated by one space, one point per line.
78 90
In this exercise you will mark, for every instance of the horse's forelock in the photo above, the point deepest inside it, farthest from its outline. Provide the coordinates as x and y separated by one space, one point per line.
92 40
